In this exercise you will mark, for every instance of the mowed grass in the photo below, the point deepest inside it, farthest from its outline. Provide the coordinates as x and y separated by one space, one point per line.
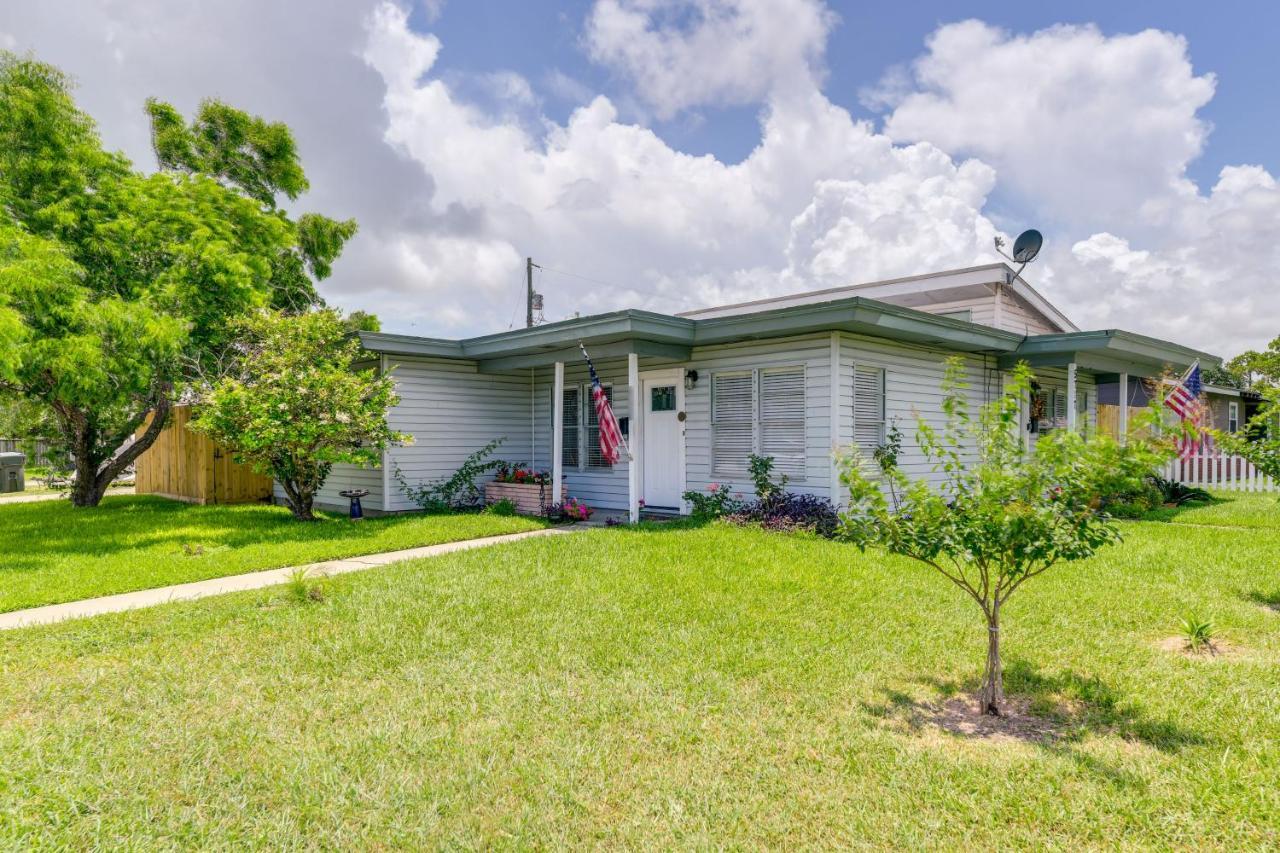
51 552
658 687
1229 509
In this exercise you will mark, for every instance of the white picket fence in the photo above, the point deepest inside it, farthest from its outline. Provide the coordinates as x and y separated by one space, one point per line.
1219 471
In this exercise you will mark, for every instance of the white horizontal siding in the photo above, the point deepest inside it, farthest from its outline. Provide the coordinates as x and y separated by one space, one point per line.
912 390
343 477
813 352
1017 315
452 410
982 309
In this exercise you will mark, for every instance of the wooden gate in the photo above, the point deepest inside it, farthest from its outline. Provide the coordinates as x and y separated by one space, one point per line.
188 466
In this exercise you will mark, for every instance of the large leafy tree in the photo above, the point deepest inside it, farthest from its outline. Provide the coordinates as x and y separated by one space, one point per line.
1003 514
117 288
1259 369
297 401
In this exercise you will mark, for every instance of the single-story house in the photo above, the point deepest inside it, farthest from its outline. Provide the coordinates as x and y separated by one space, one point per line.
795 378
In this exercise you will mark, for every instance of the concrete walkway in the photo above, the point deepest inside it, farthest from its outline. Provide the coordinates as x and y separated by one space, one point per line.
237 583
21 498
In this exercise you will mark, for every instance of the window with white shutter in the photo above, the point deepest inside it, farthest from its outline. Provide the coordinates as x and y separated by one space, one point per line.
868 408
782 433
570 453
594 459
732 421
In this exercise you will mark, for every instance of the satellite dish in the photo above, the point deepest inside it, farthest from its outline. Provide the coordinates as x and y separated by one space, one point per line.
1027 246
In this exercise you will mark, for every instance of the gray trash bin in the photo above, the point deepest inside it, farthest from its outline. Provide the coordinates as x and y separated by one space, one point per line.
11 472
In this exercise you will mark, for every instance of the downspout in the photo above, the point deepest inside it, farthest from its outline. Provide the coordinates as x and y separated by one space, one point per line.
386 451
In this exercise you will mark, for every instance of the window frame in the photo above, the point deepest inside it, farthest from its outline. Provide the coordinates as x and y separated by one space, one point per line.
1233 416
757 421
883 420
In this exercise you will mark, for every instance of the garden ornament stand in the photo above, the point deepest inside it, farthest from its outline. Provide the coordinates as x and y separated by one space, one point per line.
357 511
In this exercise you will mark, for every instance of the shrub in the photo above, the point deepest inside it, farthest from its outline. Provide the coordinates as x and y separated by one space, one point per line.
294 402
761 469
1173 492
789 513
458 490
714 503
503 506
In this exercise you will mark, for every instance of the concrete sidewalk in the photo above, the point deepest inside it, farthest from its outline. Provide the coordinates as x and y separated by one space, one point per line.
21 498
238 583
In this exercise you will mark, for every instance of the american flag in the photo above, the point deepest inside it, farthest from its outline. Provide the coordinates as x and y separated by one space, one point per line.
1184 399
610 433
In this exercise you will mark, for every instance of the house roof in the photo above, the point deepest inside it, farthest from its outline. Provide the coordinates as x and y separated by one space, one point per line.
670 337
911 292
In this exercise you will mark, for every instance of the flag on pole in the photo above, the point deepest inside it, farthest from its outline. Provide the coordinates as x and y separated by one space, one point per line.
611 442
1184 400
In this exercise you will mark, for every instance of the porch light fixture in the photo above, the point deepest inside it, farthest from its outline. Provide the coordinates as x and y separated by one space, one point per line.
690 379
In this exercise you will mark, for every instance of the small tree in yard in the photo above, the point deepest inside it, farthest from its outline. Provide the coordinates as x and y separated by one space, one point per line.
295 403
1002 515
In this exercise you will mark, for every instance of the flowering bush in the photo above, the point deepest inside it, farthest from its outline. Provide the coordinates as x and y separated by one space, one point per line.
572 509
715 502
519 472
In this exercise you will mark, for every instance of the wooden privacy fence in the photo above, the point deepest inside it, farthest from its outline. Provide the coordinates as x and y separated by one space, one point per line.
188 466
1219 471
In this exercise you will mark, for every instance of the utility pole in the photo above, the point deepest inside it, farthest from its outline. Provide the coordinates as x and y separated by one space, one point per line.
530 296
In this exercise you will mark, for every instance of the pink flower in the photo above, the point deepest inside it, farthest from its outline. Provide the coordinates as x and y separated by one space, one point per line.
714 487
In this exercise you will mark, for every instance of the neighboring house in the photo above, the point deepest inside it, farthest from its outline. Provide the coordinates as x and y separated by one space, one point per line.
795 378
1229 408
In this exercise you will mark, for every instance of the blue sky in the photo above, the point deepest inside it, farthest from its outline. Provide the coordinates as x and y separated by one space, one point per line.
1234 41
677 153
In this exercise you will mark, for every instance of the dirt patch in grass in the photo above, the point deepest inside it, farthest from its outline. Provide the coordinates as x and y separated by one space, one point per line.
1212 650
960 716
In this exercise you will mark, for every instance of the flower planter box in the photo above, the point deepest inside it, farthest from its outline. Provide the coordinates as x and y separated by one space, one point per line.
524 495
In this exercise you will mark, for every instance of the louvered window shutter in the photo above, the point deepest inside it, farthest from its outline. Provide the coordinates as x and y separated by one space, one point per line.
594 459
868 408
1059 409
732 422
782 430
570 454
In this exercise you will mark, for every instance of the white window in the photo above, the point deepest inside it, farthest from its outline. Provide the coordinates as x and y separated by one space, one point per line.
581 429
868 408
732 421
782 428
762 412
1233 417
571 451
594 459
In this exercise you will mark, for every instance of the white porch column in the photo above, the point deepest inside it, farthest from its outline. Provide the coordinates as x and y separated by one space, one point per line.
1073 416
1123 426
557 433
635 413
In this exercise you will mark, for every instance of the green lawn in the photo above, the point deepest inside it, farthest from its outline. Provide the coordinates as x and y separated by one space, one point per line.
1250 509
53 552
648 688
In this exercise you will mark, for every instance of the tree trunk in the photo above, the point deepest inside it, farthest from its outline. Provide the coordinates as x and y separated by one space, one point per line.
991 696
94 478
298 498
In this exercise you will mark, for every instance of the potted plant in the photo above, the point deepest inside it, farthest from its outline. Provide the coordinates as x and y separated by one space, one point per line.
527 489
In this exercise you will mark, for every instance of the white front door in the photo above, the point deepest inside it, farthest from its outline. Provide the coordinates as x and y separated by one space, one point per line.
662 456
